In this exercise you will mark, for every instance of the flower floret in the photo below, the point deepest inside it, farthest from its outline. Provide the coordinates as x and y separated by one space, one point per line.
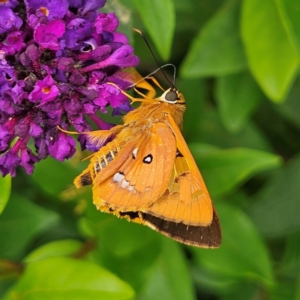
56 60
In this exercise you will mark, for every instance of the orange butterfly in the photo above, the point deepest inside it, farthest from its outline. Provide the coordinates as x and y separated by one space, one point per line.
146 173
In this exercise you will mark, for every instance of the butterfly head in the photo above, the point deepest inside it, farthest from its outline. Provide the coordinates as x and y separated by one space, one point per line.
172 96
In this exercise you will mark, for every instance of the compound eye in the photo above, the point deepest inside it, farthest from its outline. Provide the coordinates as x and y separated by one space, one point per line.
171 96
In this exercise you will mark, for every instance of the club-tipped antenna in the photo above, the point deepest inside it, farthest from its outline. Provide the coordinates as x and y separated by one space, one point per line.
159 67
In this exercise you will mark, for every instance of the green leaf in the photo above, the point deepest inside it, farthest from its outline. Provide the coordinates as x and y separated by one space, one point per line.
272 55
285 290
121 243
202 149
248 290
242 256
189 11
290 9
154 13
291 257
5 187
170 278
195 93
47 172
20 223
291 107
225 169
59 278
217 50
209 129
55 248
121 237
237 96
276 211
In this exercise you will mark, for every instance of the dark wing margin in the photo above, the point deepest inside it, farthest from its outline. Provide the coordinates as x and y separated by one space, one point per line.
199 236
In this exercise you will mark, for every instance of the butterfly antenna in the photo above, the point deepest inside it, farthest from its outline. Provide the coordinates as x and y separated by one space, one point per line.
155 71
159 67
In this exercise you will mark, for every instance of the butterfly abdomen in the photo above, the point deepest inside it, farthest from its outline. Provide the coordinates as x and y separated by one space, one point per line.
99 161
83 179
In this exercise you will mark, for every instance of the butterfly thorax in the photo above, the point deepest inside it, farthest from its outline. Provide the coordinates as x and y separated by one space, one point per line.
155 110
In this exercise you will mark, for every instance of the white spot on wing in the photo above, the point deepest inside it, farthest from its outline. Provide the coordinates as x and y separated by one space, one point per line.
148 159
124 184
118 177
134 152
130 188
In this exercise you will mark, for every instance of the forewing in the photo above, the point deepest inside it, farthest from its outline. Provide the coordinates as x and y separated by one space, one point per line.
143 176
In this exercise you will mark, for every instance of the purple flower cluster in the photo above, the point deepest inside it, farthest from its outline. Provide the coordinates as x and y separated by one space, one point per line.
56 57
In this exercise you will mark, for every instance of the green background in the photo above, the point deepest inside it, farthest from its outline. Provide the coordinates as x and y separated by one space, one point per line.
237 65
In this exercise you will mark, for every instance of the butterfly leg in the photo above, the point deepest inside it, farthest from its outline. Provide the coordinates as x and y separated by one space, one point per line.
155 82
67 131
141 84
133 99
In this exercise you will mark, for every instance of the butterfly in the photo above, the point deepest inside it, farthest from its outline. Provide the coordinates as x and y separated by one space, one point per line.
146 174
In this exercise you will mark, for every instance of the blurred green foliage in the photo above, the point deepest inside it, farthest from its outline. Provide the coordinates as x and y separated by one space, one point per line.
238 69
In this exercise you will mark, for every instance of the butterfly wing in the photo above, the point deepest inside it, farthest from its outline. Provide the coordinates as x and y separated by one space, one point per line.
150 177
185 212
140 172
199 236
